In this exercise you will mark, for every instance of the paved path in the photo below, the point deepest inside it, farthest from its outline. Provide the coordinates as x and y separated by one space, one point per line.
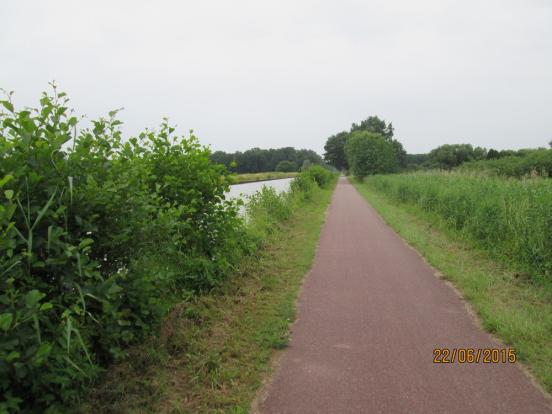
370 314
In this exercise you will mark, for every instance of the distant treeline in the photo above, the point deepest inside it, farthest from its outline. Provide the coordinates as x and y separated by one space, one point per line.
370 148
255 160
512 163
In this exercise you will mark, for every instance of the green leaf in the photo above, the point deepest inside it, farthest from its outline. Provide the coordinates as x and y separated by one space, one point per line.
8 105
12 355
8 194
46 306
5 321
44 209
33 297
43 350
6 179
85 242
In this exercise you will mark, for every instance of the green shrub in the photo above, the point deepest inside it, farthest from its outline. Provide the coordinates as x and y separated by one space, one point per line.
81 212
510 218
318 174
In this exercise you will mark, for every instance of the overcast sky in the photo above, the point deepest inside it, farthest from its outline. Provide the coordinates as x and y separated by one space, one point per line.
292 72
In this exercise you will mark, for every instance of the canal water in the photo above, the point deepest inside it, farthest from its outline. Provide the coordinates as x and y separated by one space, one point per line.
247 189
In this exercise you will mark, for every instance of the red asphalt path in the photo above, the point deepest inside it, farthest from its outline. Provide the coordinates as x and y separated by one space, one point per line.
371 312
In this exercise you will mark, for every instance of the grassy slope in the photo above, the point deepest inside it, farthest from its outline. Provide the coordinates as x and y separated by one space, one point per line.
214 352
509 306
249 178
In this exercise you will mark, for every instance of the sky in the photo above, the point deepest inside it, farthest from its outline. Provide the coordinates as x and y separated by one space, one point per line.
271 74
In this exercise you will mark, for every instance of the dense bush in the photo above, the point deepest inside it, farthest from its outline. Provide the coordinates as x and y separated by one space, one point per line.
531 163
86 219
318 174
510 218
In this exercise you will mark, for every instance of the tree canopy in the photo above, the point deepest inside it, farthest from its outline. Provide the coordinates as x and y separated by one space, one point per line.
449 156
376 125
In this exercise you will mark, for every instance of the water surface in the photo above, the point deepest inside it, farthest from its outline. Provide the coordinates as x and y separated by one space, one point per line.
246 189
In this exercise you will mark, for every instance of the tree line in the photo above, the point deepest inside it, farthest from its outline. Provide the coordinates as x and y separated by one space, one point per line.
255 160
370 148
450 156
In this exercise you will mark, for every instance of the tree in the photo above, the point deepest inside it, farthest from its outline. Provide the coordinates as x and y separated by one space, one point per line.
286 166
335 151
336 156
370 153
493 154
416 161
449 156
379 126
400 153
376 125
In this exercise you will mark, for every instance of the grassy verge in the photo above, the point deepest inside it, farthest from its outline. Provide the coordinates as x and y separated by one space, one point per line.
214 350
510 305
265 176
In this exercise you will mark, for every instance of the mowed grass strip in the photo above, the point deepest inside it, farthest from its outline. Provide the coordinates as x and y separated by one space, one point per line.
215 350
509 305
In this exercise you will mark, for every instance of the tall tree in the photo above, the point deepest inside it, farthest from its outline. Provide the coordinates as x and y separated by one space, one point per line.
335 151
376 125
379 126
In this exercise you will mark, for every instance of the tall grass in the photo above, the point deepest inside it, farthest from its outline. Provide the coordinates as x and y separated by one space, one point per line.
510 218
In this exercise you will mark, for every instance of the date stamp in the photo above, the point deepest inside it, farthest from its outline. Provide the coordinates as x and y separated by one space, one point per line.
474 355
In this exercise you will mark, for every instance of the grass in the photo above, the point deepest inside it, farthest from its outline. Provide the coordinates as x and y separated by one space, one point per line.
214 350
511 306
264 176
509 218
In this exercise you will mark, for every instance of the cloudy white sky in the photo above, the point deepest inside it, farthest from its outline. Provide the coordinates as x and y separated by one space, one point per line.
292 72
